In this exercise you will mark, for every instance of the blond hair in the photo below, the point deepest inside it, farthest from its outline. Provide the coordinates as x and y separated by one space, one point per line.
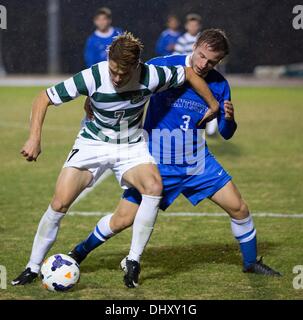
125 50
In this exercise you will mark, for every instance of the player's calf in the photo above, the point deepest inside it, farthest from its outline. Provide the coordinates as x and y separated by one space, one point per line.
124 215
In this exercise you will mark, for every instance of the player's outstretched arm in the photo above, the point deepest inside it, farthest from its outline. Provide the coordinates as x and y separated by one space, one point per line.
88 109
201 87
32 147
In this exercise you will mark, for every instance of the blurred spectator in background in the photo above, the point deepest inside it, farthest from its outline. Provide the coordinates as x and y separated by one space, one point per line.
185 42
97 43
168 38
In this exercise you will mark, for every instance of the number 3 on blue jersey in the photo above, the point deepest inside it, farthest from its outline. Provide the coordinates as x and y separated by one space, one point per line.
185 125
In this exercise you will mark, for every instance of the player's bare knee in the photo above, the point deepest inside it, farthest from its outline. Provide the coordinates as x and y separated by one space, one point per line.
153 187
59 206
241 212
244 210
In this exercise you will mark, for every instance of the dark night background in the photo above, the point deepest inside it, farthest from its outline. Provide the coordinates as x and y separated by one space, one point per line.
260 31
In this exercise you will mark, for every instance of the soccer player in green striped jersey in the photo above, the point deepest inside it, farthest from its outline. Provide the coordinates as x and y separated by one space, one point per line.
118 90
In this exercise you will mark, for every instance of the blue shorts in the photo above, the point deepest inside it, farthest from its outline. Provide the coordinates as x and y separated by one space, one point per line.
194 187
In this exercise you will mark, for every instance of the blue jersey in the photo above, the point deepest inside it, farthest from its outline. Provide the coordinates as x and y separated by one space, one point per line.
96 46
182 108
166 42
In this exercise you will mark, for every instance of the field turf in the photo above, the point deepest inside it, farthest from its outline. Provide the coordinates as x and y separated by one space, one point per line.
187 257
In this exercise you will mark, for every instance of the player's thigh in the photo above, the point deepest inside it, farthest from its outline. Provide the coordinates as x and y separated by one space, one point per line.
70 183
230 199
124 215
145 178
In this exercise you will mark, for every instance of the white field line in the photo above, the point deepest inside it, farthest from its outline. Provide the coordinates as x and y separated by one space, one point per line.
194 214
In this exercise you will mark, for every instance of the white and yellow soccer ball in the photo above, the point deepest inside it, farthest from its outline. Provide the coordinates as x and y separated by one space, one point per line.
59 273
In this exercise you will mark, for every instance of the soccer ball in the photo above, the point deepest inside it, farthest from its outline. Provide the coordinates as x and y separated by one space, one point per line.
59 272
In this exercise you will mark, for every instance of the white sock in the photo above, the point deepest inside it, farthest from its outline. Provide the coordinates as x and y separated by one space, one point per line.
243 230
101 233
104 228
143 225
45 237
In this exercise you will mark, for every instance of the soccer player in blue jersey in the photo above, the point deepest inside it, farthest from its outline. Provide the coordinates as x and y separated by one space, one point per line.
96 45
183 109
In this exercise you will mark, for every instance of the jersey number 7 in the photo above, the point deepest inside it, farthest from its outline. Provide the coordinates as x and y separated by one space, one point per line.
119 114
73 152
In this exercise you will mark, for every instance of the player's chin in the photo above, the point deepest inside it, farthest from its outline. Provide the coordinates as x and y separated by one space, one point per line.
200 72
118 85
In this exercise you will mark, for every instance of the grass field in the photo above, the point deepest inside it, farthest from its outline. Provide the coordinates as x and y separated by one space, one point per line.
187 257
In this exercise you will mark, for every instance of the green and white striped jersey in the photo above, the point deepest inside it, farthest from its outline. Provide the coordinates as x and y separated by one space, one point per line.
118 112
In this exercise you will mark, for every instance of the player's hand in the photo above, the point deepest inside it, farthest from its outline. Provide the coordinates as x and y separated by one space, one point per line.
88 110
31 149
229 110
209 116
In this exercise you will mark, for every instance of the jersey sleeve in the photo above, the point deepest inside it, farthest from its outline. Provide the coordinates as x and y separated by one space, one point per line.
226 128
165 77
161 45
89 52
82 83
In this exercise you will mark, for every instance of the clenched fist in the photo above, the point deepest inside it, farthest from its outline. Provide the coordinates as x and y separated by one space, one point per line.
229 110
31 149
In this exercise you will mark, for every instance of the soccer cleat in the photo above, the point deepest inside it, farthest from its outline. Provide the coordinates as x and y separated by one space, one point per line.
260 268
26 277
76 256
132 269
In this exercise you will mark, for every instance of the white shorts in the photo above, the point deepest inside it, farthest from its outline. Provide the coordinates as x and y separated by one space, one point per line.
98 156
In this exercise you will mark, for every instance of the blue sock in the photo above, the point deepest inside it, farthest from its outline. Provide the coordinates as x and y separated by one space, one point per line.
101 233
249 252
245 232
88 245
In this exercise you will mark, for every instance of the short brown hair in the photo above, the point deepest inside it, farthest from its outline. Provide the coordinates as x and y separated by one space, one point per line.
125 50
216 39
103 11
193 17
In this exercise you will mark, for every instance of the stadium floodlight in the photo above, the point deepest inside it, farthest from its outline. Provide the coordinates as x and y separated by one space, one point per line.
53 7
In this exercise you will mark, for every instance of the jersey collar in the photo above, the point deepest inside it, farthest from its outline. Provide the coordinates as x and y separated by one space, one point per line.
105 34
